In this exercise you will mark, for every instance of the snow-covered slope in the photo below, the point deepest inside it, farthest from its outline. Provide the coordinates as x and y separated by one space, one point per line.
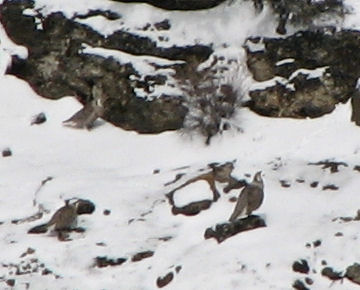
125 173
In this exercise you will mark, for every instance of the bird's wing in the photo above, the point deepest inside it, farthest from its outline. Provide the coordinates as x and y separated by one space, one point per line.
255 198
55 216
241 204
66 218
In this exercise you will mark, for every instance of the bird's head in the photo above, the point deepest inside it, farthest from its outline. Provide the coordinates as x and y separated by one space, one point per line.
258 178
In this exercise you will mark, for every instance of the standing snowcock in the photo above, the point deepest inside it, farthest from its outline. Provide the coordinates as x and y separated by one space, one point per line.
250 198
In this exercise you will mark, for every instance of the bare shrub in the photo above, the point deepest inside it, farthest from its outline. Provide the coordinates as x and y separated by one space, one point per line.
211 93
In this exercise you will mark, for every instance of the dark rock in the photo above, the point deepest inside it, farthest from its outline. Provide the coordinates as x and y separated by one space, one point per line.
330 187
165 280
85 206
10 282
40 229
46 271
178 4
108 14
348 218
106 212
314 184
57 66
301 95
332 165
233 199
353 273
142 255
178 269
165 239
309 281
227 230
317 243
285 183
163 25
102 262
357 168
301 266
299 285
38 119
331 274
192 208
6 152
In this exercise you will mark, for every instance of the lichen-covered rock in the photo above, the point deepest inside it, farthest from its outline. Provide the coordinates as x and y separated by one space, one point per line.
306 74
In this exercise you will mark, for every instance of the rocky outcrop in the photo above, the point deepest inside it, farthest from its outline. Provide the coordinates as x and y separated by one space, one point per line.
302 75
305 74
59 64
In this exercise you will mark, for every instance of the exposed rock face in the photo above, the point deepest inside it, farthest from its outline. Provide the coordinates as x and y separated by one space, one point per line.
308 73
58 65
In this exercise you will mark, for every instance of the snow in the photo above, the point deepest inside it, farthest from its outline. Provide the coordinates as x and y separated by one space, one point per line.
115 169
271 83
310 73
285 61
197 191
144 65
